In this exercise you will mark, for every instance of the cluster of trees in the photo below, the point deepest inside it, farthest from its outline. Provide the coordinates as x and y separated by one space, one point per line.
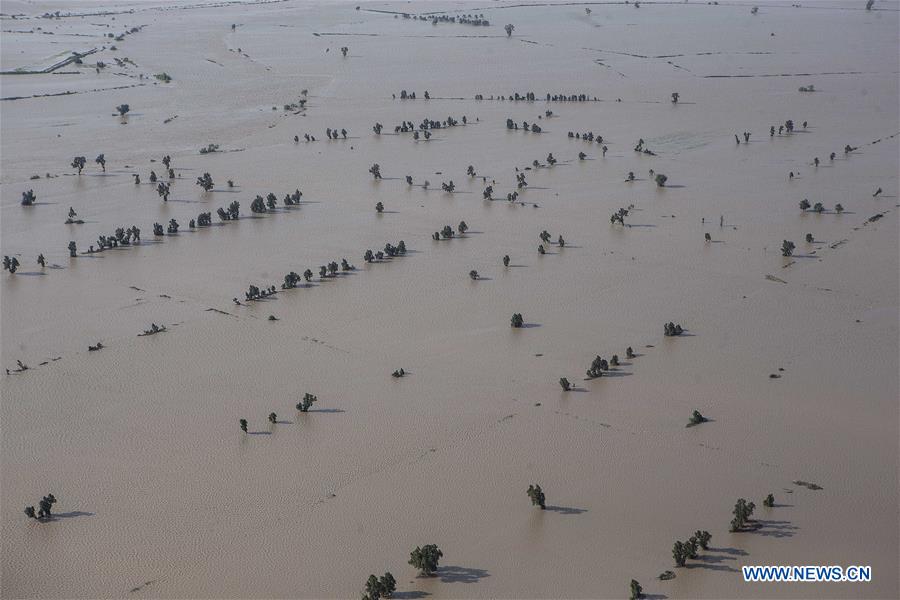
445 233
537 496
681 551
742 511
332 134
45 506
426 558
671 329
293 199
448 187
517 321
209 149
389 250
380 587
122 236
254 293
466 19
598 365
231 213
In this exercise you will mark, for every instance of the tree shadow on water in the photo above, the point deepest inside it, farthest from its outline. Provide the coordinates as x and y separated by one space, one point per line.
456 574
566 510
412 595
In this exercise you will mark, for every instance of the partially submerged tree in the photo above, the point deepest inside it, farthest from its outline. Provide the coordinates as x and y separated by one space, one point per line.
509 28
473 275
28 198
537 496
78 163
661 180
804 204
787 248
243 423
703 538
769 501
306 402
671 329
564 384
205 181
72 249
506 260
379 207
425 559
162 189
696 419
742 511
517 321
375 170
123 109
637 592
101 160
273 418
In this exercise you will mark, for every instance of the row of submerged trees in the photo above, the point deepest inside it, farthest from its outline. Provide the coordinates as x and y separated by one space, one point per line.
533 127
531 97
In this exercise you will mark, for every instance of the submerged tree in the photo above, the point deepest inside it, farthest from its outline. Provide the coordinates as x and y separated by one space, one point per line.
537 496
426 558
